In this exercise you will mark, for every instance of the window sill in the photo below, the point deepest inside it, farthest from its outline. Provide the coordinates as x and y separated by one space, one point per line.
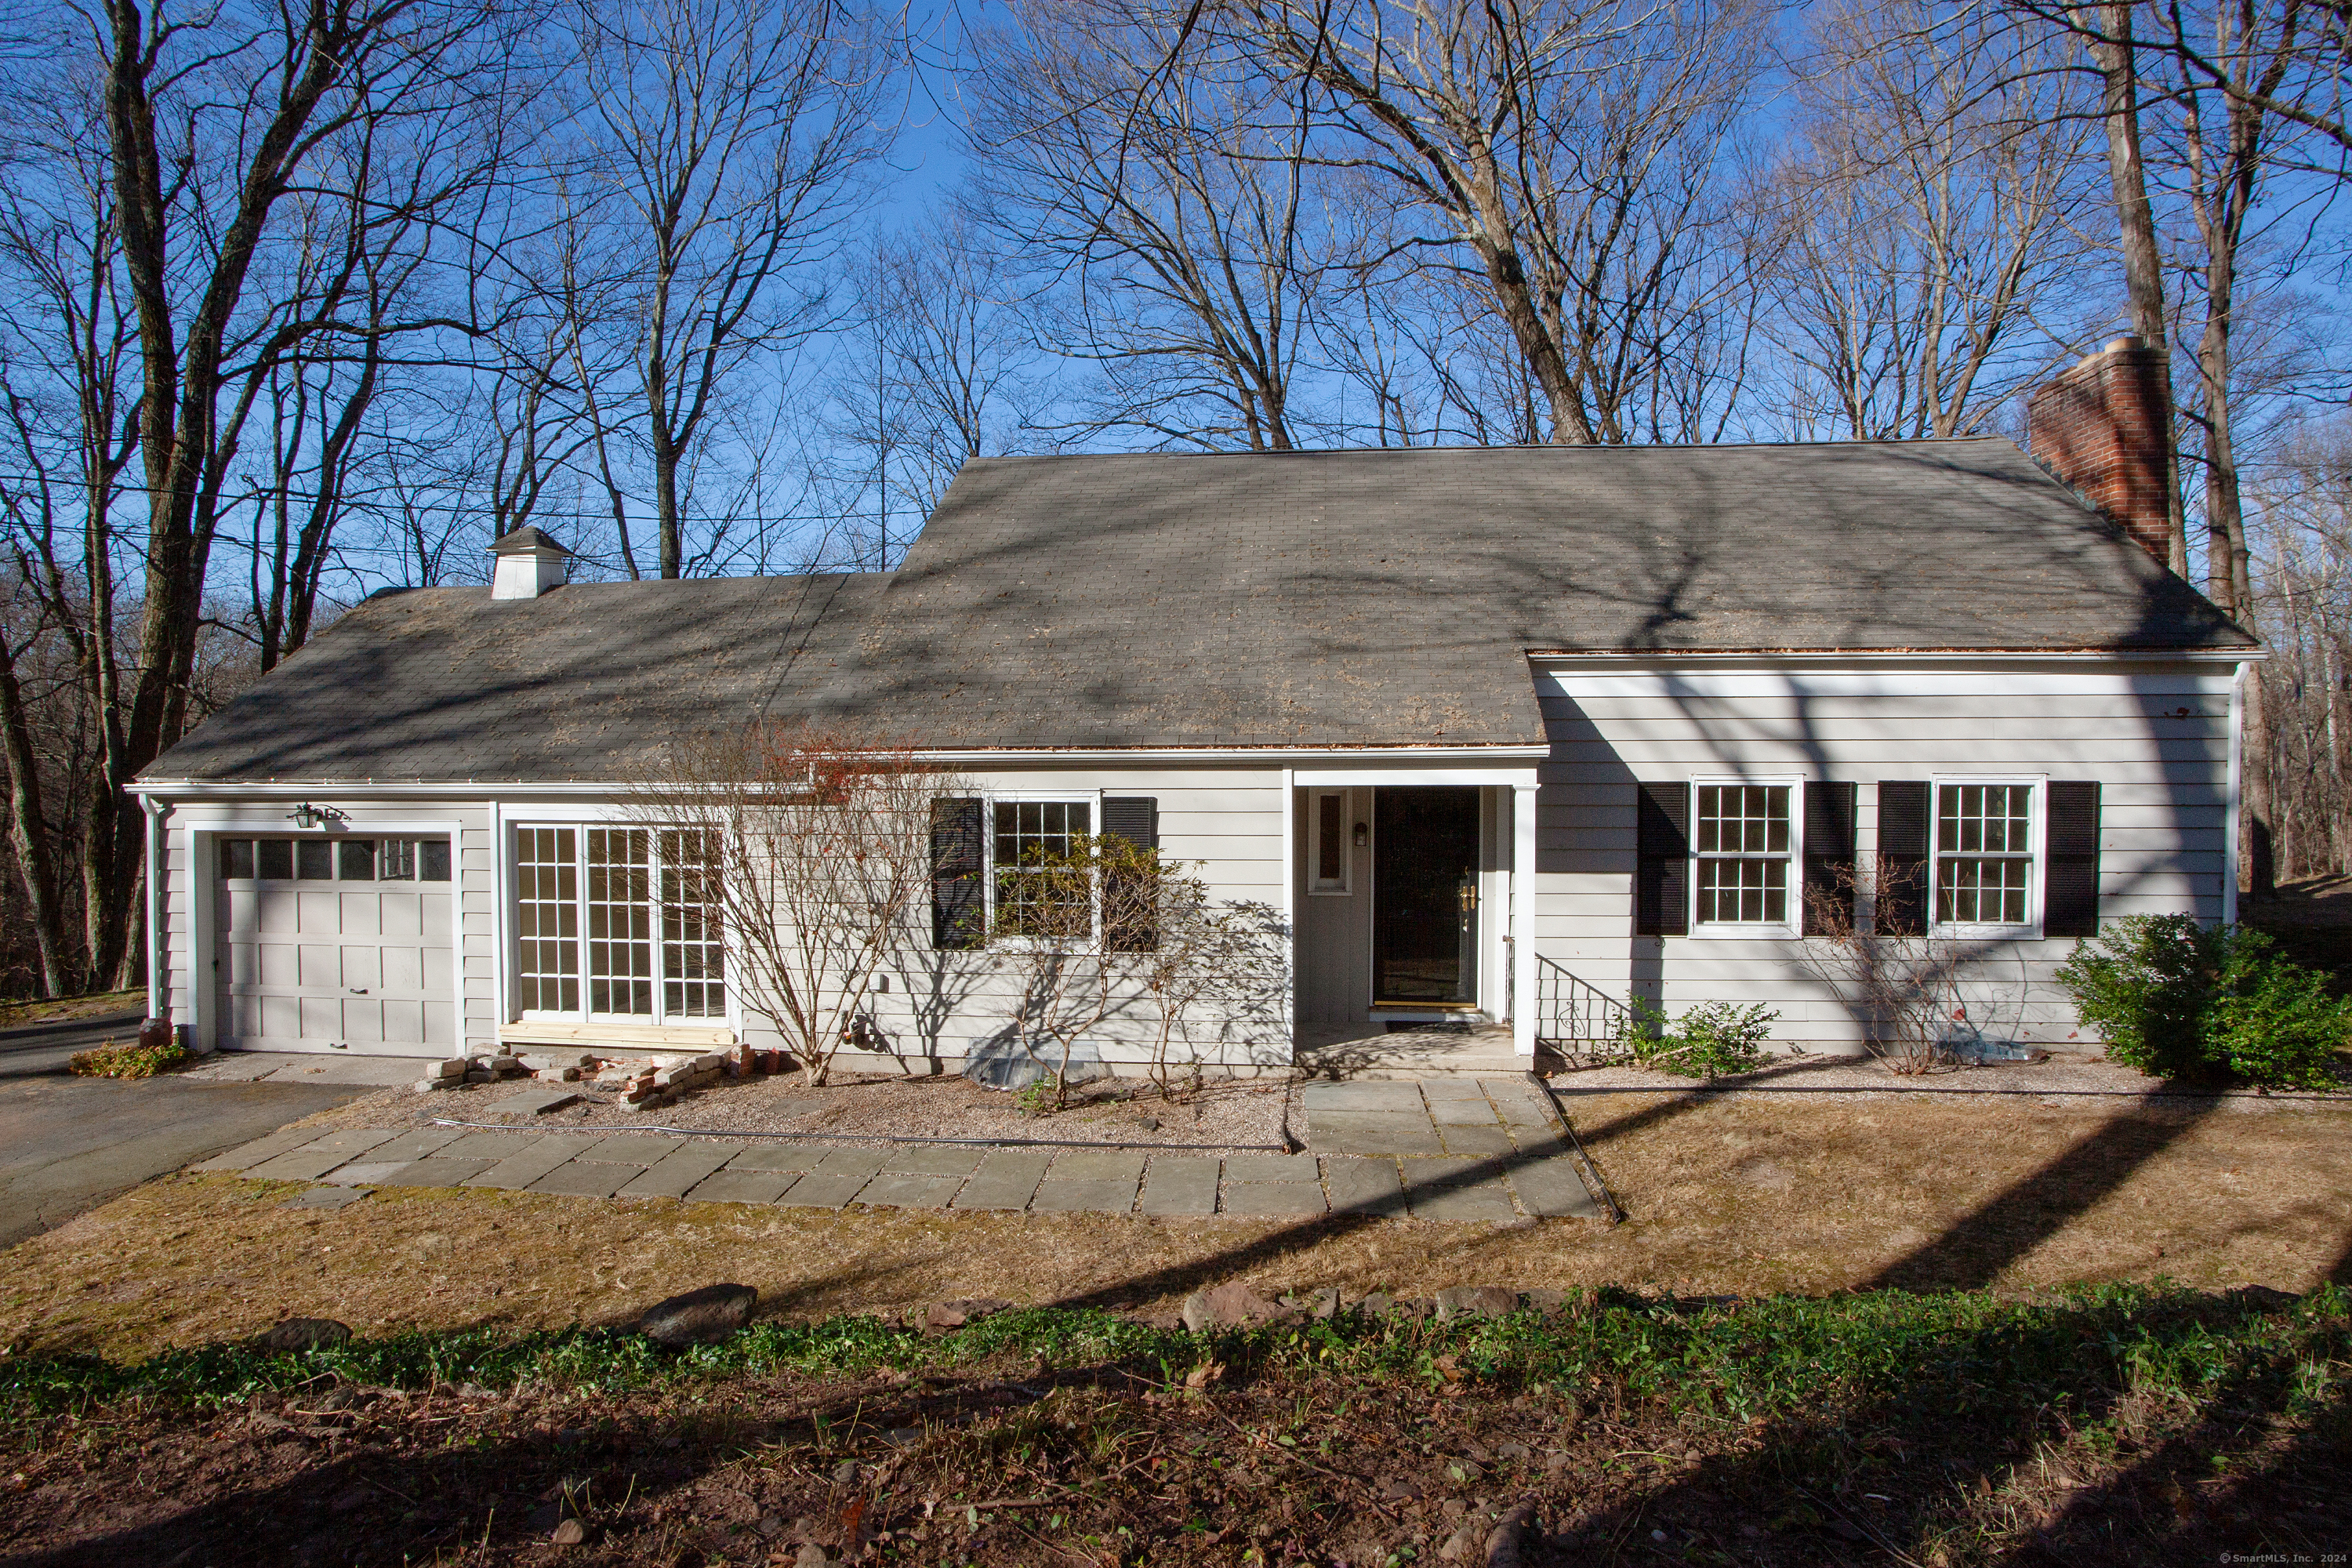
1719 931
1986 933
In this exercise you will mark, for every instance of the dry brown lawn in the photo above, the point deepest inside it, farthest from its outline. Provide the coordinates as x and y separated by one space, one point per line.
1733 1193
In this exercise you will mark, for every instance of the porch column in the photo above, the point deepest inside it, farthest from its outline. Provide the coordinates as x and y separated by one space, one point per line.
1523 921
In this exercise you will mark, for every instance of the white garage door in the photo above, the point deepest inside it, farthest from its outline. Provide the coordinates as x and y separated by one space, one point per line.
329 943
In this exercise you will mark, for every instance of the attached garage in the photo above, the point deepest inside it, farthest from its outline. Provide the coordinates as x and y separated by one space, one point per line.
334 943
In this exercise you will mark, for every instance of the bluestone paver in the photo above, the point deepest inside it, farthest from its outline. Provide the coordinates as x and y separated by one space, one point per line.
1551 1189
365 1173
824 1189
1394 1096
1274 1198
861 1160
489 1146
638 1149
1176 1185
416 1145
1470 1203
1008 1178
433 1171
1271 1168
1436 1089
1461 1112
517 1172
315 1158
906 1190
678 1170
1098 1166
251 1155
1098 1195
933 1160
1489 1142
736 1185
782 1154
1363 1186
587 1179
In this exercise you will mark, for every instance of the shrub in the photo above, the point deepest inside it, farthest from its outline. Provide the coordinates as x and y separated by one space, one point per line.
2179 1000
1709 1040
129 1059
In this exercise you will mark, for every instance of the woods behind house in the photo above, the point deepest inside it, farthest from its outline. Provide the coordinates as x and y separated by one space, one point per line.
297 304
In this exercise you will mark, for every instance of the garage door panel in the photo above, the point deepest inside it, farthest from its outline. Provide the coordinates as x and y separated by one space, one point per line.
321 967
402 970
363 969
348 963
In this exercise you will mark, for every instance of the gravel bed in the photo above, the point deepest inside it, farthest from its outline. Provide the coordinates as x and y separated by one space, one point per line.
1800 1077
1232 1114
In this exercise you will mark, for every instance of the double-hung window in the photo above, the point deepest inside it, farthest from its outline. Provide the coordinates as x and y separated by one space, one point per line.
1037 893
1744 848
617 923
1986 842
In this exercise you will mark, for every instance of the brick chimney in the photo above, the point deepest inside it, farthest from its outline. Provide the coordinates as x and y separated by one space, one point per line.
2101 427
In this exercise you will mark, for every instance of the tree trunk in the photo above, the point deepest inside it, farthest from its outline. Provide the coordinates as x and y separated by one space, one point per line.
2109 30
29 834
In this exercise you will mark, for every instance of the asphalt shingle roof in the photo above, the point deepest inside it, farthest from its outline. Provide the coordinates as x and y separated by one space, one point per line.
1338 598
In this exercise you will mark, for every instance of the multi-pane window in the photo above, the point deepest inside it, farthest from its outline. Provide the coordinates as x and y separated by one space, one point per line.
588 904
336 859
547 919
1743 844
620 921
693 958
1984 853
1036 895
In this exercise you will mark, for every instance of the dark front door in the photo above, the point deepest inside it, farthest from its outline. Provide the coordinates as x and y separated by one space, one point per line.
1425 895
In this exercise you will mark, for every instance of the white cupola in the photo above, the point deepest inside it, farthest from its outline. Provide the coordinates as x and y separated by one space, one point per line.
528 565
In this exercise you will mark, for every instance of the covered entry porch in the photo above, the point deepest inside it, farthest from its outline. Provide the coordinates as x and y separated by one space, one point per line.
1412 894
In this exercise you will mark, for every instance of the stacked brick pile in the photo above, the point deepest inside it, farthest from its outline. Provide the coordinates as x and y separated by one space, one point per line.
640 1080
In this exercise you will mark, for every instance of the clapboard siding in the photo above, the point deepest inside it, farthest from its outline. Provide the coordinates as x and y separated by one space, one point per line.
2156 739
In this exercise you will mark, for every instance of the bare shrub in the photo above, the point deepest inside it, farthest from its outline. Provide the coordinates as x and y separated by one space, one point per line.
1902 988
814 848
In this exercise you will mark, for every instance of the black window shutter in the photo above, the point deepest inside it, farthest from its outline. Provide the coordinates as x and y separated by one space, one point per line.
959 889
2070 886
1828 852
1661 861
1136 818
1903 820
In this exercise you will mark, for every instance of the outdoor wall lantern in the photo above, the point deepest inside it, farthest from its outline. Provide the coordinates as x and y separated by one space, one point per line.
308 815
1363 836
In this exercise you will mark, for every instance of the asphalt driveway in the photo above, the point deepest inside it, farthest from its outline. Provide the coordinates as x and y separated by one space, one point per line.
69 1143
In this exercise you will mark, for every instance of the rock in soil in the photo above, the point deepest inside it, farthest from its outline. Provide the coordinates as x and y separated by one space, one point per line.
295 1334
1229 1306
699 1316
571 1533
1476 1301
955 1314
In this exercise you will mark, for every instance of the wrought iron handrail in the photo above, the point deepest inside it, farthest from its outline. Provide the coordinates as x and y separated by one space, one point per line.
1584 1025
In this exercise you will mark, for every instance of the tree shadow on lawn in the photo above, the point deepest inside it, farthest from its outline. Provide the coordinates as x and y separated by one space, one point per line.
1962 1456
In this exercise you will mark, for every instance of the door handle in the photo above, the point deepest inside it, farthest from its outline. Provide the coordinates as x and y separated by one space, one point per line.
358 990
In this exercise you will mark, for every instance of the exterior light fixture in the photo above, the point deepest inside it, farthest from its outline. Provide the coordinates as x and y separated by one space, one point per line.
1363 836
308 815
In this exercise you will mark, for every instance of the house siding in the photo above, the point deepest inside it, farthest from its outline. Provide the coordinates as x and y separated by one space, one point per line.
2157 737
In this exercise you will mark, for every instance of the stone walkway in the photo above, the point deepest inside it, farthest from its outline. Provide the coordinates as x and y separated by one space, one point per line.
1457 1149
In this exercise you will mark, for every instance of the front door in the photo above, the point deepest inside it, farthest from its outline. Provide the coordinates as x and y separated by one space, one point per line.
1425 897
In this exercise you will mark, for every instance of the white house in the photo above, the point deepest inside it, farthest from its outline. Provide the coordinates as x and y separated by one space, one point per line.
1492 730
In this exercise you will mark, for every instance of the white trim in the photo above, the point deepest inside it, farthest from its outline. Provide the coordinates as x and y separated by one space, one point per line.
1361 778
1346 885
1789 930
159 990
2031 929
1290 871
1523 921
2232 801
1863 659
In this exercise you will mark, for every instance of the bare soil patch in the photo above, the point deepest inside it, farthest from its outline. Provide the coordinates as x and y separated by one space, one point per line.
1225 1113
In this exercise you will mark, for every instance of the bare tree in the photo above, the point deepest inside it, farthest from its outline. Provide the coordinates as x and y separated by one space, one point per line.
1927 220
1571 150
813 850
724 139
1169 181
